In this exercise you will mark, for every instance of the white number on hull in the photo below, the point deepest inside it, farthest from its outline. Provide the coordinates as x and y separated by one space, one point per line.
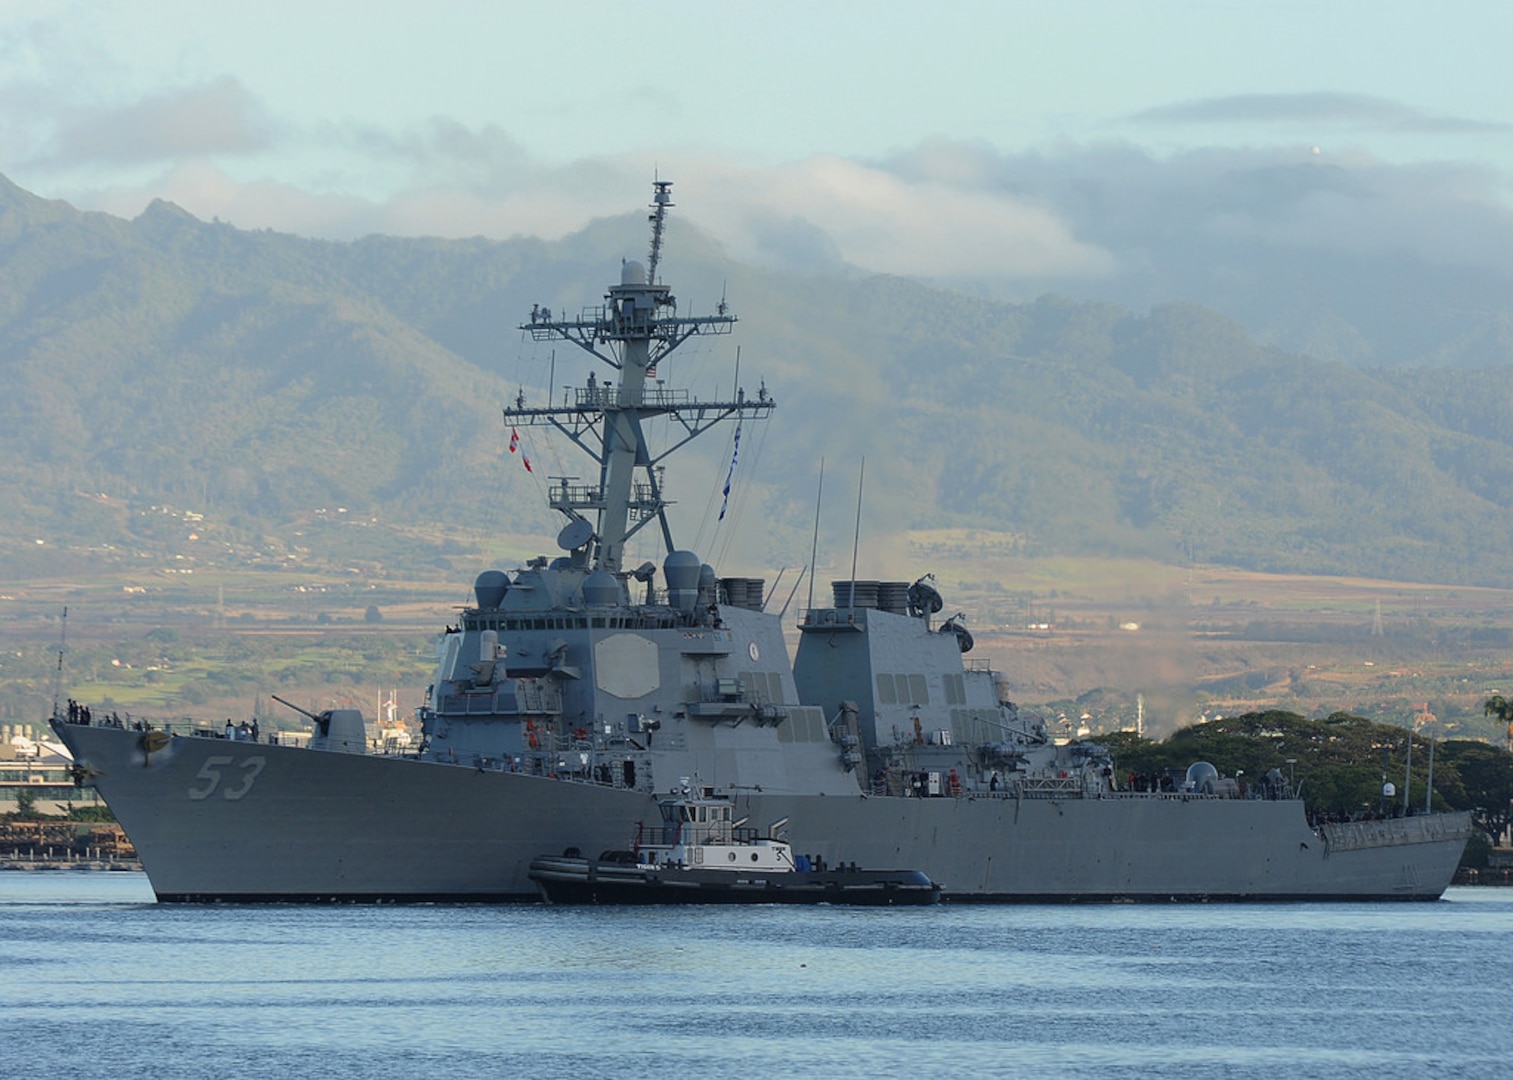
250 768
211 771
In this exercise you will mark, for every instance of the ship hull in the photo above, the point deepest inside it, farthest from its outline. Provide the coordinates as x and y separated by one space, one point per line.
223 820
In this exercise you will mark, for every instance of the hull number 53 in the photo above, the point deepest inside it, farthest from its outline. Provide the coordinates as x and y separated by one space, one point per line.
232 783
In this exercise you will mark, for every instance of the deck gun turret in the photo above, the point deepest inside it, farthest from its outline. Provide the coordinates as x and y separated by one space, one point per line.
335 729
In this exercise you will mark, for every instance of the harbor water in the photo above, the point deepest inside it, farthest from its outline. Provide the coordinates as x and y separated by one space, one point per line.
96 980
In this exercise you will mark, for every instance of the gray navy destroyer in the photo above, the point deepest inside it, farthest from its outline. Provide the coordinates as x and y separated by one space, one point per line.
578 691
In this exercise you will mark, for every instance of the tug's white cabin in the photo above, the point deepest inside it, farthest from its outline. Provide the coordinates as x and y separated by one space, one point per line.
702 833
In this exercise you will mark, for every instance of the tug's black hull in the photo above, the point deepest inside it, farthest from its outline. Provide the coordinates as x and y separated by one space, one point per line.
565 880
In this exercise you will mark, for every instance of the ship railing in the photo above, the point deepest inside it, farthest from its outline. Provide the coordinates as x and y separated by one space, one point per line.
605 396
1388 832
528 700
1050 787
392 746
454 704
643 501
1073 787
566 495
582 764
596 397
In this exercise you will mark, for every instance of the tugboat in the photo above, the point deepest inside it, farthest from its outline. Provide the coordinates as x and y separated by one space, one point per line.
705 856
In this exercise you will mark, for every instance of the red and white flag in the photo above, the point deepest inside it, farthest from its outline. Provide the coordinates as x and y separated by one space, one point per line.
516 448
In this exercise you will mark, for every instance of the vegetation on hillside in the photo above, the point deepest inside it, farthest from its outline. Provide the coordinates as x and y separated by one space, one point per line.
167 378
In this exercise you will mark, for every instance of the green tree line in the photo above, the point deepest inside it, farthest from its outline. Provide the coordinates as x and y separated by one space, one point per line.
1339 763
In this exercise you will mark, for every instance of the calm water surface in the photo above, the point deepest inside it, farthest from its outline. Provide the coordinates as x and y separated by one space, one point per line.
98 981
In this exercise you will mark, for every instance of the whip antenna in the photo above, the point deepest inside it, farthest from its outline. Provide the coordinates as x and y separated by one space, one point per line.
62 647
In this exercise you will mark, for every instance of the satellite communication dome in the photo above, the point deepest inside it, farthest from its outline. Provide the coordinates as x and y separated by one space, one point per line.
1201 776
601 589
490 589
681 570
632 273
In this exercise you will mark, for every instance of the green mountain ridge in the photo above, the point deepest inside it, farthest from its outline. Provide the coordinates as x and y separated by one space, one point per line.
258 378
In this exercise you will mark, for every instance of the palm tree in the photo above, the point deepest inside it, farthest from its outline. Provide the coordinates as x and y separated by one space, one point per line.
1502 708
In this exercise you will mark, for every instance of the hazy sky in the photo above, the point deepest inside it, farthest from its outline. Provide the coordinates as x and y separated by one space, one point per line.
928 137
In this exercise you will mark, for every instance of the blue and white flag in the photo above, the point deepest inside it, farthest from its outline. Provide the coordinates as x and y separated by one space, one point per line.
734 454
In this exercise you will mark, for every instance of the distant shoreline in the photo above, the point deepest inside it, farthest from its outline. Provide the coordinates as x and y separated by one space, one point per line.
1499 876
23 863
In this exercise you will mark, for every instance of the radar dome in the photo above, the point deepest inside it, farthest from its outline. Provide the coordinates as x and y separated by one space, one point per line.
632 273
601 589
490 589
681 572
1201 776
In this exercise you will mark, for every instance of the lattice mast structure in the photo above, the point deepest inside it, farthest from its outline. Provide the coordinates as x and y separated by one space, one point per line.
635 329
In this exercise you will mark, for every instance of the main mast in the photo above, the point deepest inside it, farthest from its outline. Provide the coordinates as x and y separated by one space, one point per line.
632 332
